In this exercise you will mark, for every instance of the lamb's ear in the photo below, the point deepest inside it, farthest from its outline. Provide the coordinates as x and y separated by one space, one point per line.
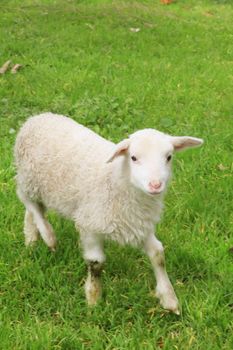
119 150
183 142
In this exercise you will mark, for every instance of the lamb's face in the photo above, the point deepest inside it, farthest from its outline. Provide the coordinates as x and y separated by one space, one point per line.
149 156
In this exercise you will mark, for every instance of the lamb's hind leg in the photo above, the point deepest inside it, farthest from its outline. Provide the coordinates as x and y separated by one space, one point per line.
30 230
34 219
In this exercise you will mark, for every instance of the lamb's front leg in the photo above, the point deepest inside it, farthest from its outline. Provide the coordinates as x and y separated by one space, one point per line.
94 256
164 289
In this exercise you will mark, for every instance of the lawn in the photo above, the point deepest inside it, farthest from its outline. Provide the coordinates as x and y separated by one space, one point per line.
83 59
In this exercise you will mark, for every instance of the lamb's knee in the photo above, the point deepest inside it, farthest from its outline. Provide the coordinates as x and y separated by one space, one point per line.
94 255
92 248
155 251
95 268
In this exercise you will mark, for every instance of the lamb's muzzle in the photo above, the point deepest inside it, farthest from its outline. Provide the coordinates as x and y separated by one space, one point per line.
156 187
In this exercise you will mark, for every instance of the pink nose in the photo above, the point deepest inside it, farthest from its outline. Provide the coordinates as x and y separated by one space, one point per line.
155 185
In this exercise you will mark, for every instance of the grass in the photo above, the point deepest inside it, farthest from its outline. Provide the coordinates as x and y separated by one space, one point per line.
176 74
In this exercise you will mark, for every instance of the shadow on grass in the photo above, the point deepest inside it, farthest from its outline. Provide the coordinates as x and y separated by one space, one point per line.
197 266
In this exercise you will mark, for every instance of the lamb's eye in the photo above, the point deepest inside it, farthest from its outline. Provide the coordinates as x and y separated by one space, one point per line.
169 158
134 159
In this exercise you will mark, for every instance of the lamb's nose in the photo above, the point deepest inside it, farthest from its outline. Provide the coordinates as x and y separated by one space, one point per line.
155 185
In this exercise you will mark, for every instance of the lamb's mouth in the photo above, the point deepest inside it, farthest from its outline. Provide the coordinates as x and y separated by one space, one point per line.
154 193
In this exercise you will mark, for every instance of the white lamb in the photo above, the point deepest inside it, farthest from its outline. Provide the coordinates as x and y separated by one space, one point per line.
111 191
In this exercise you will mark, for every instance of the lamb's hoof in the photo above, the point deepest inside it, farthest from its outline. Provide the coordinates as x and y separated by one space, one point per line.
92 290
52 244
168 300
177 312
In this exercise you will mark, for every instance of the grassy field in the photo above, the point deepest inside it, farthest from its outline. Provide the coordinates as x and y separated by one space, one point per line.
81 59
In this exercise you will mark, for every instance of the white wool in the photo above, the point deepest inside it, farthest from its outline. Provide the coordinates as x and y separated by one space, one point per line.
63 165
110 191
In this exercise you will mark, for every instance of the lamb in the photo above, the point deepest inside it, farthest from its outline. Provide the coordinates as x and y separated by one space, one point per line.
110 191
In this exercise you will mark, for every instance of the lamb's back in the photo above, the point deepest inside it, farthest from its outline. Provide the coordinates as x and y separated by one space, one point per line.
57 135
58 160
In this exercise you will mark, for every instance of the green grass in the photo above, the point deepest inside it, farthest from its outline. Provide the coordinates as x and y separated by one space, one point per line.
176 74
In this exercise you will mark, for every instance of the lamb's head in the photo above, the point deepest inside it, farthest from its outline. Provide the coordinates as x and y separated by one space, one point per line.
148 155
